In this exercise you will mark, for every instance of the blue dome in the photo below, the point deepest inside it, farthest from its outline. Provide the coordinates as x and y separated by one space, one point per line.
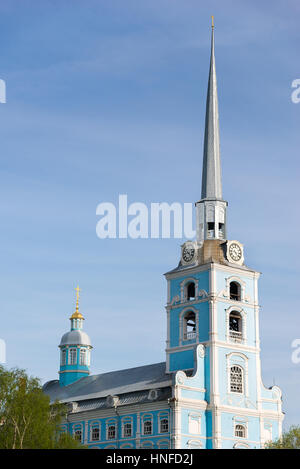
75 338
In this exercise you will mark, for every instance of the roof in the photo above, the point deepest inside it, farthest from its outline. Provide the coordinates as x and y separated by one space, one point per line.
127 381
75 338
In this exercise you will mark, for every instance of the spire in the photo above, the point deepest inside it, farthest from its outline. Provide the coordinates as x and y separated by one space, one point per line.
211 172
211 209
77 314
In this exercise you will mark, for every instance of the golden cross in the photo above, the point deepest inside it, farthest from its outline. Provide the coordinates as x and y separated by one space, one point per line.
212 22
77 289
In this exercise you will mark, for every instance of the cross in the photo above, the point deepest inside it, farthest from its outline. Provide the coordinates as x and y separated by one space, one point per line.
212 22
77 289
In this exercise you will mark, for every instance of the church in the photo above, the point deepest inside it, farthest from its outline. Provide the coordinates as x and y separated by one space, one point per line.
208 394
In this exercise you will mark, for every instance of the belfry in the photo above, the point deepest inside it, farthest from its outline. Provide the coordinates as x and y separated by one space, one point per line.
208 393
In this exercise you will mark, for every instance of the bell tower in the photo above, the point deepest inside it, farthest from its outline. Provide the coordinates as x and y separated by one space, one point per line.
213 342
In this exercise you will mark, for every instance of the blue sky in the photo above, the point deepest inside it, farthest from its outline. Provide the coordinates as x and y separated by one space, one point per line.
108 98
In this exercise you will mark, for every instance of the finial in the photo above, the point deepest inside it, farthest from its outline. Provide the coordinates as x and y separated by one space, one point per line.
77 289
212 22
77 314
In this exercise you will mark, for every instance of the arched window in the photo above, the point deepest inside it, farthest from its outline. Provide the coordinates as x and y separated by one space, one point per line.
240 431
78 433
164 425
163 444
111 431
236 379
127 427
189 326
147 444
83 359
194 444
72 356
235 291
190 291
95 432
147 427
63 360
235 326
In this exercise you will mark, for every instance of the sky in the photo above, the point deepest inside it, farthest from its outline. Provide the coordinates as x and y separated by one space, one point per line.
108 98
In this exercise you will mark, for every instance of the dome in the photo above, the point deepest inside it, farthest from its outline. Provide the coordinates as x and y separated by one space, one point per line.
75 338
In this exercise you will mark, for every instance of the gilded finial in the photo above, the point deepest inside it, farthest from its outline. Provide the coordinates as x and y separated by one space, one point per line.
77 289
212 22
77 314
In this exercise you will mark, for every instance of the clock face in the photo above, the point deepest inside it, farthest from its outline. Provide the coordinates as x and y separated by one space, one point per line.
235 252
188 253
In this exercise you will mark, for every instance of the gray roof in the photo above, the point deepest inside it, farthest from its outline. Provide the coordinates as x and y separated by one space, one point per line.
211 171
127 381
75 338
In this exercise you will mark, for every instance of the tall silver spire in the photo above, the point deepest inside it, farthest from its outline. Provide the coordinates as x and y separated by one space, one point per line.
211 209
211 172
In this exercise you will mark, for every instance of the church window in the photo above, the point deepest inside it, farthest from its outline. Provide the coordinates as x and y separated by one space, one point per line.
148 427
210 229
236 379
164 425
127 427
189 326
190 291
221 230
111 432
164 444
63 357
95 432
72 356
235 327
83 357
240 431
235 291
147 444
193 444
78 434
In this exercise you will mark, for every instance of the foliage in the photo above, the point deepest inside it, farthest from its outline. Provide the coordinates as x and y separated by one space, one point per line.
27 420
288 440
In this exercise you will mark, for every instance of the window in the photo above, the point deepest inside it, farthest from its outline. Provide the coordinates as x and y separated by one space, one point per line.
221 230
147 444
236 379
164 425
82 359
72 356
190 291
193 444
164 444
78 434
95 436
240 431
111 432
148 427
63 360
189 326
235 327
127 429
235 291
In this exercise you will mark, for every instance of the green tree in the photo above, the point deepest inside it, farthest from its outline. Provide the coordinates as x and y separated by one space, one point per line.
27 420
288 440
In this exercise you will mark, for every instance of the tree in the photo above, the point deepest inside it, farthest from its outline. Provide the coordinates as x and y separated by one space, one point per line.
27 420
288 440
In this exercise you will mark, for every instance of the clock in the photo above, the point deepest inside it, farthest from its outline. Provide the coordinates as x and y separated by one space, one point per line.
188 253
235 252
